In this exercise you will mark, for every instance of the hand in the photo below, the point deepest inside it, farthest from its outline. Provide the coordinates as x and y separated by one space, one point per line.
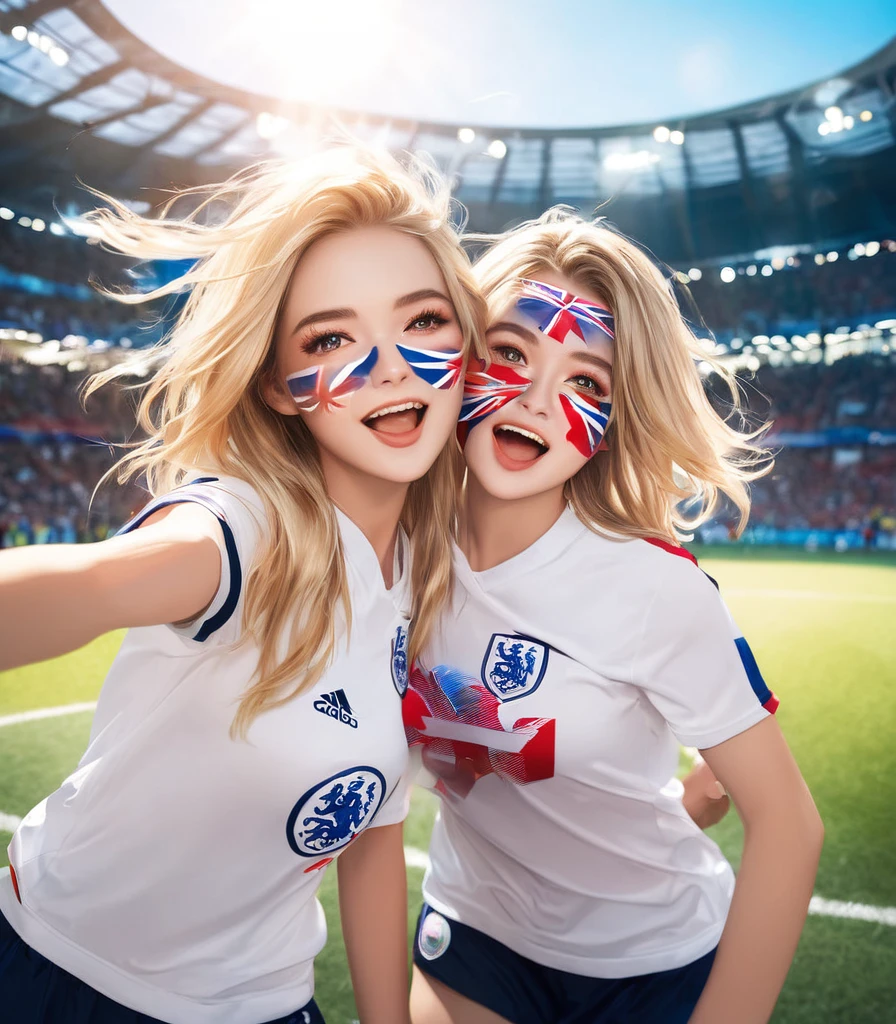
704 797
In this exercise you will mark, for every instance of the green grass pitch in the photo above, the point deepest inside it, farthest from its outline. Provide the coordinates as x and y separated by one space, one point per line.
823 629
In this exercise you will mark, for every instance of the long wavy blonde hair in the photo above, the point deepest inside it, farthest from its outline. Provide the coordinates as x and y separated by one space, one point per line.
203 409
671 459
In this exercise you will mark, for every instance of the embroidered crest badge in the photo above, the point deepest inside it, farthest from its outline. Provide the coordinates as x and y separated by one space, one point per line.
400 674
329 816
514 665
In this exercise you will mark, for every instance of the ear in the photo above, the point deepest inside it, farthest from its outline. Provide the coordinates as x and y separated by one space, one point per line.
276 395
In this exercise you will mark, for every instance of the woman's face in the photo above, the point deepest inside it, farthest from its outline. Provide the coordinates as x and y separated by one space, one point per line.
536 414
368 350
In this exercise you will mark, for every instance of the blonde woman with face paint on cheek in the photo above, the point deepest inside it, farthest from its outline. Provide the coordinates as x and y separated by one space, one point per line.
303 465
567 882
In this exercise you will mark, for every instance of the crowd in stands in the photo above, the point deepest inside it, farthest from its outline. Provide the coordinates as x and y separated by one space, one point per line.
822 298
49 471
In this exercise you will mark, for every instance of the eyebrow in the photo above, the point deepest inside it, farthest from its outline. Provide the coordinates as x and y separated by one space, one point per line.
345 313
532 339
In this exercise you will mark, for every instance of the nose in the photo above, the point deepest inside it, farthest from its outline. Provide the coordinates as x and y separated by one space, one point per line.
390 367
538 398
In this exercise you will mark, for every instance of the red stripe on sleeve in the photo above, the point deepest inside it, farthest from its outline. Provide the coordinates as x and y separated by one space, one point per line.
772 704
673 549
15 882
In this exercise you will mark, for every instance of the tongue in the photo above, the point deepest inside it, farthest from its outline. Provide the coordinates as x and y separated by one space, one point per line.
395 422
515 446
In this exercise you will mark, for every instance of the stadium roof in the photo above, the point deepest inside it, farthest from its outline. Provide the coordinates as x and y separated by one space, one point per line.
81 96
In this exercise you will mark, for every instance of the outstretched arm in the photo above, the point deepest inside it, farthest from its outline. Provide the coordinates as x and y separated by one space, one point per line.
373 905
57 597
782 843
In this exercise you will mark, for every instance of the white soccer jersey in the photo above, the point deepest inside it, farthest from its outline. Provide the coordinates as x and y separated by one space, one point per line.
176 869
551 705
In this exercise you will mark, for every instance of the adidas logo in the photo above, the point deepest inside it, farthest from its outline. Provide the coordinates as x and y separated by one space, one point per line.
336 705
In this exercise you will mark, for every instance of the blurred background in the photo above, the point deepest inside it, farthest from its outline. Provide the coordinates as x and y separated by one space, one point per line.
751 148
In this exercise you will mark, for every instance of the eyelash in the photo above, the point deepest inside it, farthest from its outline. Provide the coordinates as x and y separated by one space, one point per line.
598 389
312 345
436 320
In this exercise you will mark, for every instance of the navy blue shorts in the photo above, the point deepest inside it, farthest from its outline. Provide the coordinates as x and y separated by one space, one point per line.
524 992
33 990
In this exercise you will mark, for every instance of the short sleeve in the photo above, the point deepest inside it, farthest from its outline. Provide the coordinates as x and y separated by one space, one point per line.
397 804
238 512
695 666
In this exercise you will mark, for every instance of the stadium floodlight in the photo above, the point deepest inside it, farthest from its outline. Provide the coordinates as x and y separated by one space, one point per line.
56 229
832 256
866 115
872 248
497 149
25 222
466 135
269 125
834 114
19 33
637 161
33 38
752 270
661 133
695 273
58 56
767 270
779 263
37 224
676 138
6 213
819 258
848 121
727 274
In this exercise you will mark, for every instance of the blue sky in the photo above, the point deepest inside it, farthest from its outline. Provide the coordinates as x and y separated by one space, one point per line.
516 62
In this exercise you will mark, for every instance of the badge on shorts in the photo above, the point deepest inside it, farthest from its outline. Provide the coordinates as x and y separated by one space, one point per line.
434 937
513 665
400 661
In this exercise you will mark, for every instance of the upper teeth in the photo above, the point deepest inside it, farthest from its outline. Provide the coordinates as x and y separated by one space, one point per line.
526 433
395 408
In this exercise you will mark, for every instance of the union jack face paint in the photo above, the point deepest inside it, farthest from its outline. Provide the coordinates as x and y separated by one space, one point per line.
587 422
485 392
558 312
439 369
310 388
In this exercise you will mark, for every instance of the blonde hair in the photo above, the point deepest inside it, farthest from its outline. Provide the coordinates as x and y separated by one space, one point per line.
671 459
203 409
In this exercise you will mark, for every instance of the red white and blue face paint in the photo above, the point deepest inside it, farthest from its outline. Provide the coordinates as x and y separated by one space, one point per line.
587 419
441 370
558 313
311 388
486 390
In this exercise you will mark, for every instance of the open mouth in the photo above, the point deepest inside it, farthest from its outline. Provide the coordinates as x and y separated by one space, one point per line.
397 420
518 445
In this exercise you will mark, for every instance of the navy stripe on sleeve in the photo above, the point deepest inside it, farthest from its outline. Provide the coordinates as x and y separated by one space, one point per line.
223 614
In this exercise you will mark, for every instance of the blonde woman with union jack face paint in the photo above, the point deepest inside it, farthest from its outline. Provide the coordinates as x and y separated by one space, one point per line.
303 467
567 883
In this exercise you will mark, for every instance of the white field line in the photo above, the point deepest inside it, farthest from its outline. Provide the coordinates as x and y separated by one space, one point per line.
38 713
809 595
415 858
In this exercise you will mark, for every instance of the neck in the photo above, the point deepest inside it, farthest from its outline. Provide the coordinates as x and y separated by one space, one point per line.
374 505
495 529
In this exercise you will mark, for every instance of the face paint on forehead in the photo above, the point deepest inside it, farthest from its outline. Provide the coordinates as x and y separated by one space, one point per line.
487 390
587 422
557 313
310 388
440 369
